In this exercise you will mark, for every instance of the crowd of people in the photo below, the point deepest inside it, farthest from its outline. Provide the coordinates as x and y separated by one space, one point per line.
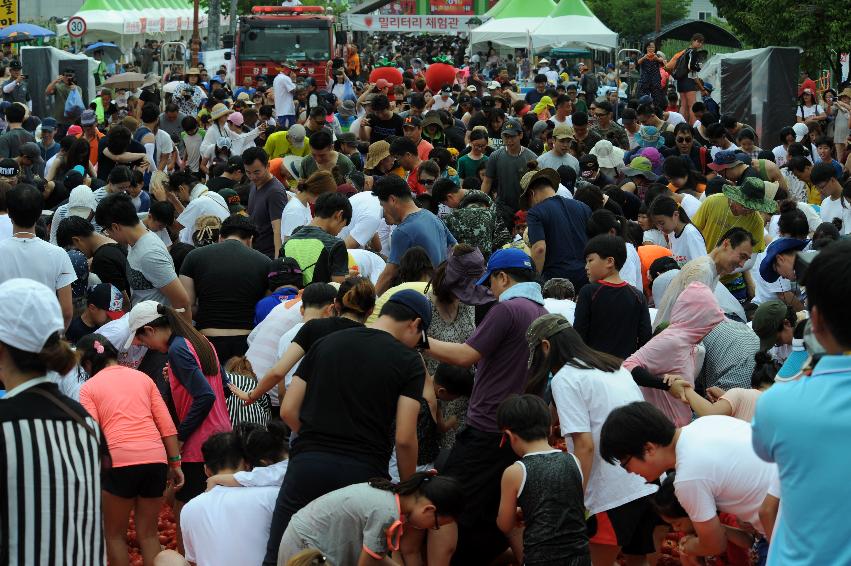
361 323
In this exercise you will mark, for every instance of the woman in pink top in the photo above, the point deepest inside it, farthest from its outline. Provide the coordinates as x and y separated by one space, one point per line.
141 438
673 350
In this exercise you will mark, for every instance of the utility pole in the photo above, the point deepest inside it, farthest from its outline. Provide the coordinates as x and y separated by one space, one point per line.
658 16
214 24
233 18
196 37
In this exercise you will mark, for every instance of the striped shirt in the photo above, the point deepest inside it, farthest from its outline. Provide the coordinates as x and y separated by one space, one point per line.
50 499
729 362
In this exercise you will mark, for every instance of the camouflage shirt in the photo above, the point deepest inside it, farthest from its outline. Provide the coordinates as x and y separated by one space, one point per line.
477 223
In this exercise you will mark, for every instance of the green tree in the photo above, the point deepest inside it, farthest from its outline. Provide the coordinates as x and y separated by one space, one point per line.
633 19
820 27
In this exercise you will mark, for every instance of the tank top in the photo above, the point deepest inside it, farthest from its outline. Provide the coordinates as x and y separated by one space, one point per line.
218 419
553 505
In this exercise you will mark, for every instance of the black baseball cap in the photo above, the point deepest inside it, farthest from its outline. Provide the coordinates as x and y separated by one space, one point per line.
9 167
588 163
412 121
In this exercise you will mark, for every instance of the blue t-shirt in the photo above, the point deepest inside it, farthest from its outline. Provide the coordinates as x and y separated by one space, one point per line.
560 222
266 304
804 426
422 229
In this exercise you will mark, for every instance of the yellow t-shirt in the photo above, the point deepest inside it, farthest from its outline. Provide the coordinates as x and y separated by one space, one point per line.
277 145
419 286
714 218
813 194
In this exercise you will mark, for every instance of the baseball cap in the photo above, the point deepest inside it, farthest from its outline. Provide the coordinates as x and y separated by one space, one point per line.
30 313
15 64
472 88
30 149
804 349
562 131
511 128
88 118
82 201
412 121
234 164
283 271
415 301
143 313
588 162
9 167
48 125
234 205
509 258
74 130
236 119
766 320
775 248
295 135
494 85
107 297
543 328
800 130
446 91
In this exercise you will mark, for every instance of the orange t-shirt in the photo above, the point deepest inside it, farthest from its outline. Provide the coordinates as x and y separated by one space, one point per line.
649 253
93 147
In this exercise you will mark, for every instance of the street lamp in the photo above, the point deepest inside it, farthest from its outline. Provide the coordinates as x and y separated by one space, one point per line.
472 23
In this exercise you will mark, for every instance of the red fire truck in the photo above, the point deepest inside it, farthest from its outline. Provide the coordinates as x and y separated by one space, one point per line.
274 34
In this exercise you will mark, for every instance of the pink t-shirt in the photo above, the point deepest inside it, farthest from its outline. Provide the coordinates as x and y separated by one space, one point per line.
132 414
743 402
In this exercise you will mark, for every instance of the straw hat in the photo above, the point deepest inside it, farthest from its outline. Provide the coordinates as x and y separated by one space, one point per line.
219 110
377 151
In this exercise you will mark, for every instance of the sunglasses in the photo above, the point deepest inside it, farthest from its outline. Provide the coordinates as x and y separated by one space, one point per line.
683 140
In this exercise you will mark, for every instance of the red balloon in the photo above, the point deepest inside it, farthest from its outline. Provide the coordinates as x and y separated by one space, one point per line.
439 75
392 75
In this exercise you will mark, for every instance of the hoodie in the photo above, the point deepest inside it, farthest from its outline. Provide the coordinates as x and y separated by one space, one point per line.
673 350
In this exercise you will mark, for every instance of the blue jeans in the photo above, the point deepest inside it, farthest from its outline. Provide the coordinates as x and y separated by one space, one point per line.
286 121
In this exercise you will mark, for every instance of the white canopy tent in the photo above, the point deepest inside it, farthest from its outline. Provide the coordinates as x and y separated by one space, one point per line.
571 24
513 25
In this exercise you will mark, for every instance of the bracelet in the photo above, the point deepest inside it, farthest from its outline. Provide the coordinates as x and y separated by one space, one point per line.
177 458
174 464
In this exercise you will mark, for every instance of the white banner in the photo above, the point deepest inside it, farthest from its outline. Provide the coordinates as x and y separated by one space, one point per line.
430 24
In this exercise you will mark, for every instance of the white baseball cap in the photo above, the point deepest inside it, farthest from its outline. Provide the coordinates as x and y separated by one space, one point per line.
81 202
800 130
494 85
140 315
30 313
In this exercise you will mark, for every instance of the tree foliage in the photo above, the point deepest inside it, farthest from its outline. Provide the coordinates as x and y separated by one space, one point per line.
819 27
633 19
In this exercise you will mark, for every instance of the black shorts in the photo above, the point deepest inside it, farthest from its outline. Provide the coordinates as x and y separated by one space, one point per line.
687 84
141 480
629 526
194 482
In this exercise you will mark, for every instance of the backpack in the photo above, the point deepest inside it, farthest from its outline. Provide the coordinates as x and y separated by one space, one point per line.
312 258
74 105
678 65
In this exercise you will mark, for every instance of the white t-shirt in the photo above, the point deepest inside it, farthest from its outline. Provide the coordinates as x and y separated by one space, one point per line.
214 520
831 209
354 127
564 307
294 216
440 103
688 245
263 340
655 236
780 155
765 291
367 217
209 203
283 88
675 118
283 345
690 204
808 111
631 270
568 121
370 264
5 226
715 149
584 398
718 470
813 220
264 476
33 258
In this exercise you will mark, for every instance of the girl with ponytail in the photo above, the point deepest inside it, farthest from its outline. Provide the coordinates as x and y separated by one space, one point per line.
684 239
365 521
142 444
354 303
195 382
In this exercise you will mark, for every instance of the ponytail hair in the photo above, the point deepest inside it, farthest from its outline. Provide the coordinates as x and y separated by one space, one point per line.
309 557
667 206
262 445
356 296
56 355
171 319
603 221
96 351
444 492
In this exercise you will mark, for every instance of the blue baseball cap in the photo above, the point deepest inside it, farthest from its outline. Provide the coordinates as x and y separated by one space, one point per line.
775 248
805 351
415 301
509 258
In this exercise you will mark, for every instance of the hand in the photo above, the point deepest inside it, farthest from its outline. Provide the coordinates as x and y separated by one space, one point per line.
678 390
240 394
263 125
172 198
670 378
714 393
175 477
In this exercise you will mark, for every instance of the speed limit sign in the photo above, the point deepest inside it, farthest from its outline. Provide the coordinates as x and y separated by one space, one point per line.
76 27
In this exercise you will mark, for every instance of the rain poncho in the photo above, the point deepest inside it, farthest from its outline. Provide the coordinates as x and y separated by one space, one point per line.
694 315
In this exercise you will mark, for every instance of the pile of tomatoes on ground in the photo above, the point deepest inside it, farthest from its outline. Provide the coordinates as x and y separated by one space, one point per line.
168 535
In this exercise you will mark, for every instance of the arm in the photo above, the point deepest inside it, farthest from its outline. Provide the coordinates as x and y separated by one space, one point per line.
644 378
486 185
702 407
710 539
506 519
274 376
276 235
179 298
387 277
189 286
186 370
291 403
407 411
66 301
768 514
126 157
539 254
51 88
583 449
456 354
367 559
9 87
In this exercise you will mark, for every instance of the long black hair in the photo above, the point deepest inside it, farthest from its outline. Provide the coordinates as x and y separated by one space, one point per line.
445 492
566 348
95 351
179 327
665 499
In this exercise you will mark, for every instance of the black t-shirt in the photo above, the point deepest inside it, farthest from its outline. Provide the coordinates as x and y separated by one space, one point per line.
599 305
354 380
109 263
229 279
216 184
77 329
318 328
384 129
105 164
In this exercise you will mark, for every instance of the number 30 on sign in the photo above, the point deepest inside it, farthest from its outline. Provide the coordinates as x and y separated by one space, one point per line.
76 27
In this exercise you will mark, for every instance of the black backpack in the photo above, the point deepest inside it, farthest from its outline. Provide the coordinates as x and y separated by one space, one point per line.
681 69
